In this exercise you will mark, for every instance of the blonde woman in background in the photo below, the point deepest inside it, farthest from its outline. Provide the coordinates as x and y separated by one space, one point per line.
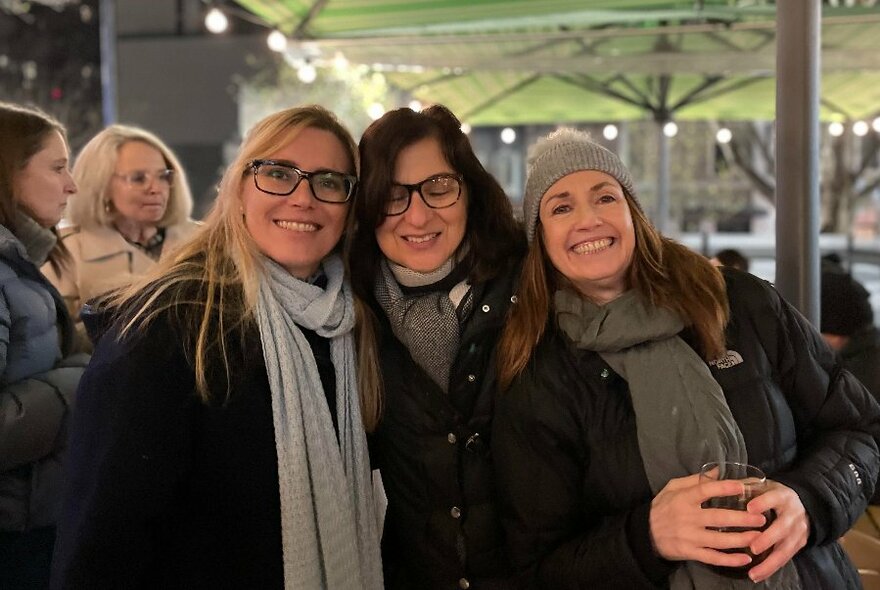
133 208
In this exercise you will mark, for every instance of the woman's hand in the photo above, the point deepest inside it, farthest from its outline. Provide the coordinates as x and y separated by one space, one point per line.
681 529
787 534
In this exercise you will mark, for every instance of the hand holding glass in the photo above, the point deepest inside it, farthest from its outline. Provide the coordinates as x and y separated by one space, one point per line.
754 484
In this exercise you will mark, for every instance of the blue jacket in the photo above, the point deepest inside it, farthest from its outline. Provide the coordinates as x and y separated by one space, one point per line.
37 386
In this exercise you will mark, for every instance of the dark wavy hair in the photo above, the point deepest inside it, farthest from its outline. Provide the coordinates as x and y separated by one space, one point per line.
492 233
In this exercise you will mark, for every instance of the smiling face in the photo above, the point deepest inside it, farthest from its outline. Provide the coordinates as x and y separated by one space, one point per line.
142 204
297 231
588 233
44 185
422 238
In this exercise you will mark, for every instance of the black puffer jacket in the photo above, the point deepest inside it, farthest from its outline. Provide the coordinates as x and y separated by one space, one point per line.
571 481
442 529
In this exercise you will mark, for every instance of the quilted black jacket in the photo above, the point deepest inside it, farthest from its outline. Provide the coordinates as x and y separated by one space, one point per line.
442 529
572 486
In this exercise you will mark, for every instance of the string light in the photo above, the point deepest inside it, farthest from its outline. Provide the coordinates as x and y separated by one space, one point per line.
307 73
216 21
276 41
609 132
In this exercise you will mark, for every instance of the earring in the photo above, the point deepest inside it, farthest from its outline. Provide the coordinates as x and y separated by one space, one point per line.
108 208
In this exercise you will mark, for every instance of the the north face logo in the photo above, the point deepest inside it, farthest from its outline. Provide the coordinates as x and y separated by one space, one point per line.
731 359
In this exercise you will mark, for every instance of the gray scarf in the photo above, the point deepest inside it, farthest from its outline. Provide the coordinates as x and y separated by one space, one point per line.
428 324
329 525
682 418
37 240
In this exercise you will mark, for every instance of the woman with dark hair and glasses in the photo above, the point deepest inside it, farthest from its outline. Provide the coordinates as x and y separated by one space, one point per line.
132 209
433 259
219 439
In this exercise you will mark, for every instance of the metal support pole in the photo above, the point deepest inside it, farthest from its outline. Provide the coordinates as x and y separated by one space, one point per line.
798 24
107 16
662 218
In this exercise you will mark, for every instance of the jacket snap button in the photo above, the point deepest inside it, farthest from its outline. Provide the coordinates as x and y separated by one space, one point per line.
472 377
486 309
451 438
604 373
464 584
455 512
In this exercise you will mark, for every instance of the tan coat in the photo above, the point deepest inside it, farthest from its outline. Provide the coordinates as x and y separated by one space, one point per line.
101 260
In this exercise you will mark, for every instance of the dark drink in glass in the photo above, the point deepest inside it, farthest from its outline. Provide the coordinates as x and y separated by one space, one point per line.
754 484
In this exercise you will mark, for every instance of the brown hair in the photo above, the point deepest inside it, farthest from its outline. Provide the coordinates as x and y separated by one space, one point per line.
667 273
492 233
23 133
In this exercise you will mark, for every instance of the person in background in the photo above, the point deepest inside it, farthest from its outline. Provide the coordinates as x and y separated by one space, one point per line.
218 441
433 260
731 258
629 362
132 209
39 371
847 325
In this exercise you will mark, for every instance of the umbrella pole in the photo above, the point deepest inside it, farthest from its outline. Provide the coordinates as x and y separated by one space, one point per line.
662 216
797 154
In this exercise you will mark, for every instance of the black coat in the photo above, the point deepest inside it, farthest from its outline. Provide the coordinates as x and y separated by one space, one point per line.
441 527
570 476
163 490
861 357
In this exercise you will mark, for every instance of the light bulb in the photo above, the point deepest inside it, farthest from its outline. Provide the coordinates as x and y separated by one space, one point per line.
724 135
508 135
835 129
670 129
216 21
860 128
276 41
307 73
609 132
375 110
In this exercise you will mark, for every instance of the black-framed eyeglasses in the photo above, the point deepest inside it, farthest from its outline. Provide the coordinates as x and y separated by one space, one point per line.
437 192
281 179
144 178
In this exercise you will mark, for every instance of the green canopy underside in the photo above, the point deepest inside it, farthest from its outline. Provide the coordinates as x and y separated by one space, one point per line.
528 61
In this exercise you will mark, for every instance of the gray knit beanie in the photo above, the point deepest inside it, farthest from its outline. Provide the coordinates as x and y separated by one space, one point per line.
562 152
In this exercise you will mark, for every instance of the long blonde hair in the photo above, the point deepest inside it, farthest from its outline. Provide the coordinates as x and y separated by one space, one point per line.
94 168
667 273
210 285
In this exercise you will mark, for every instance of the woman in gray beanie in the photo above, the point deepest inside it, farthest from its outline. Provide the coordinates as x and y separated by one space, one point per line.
627 364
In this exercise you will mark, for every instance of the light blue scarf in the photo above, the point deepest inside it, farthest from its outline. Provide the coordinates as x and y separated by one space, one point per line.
329 526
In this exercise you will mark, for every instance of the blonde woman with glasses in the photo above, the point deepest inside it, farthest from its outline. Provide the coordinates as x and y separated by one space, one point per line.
132 209
218 441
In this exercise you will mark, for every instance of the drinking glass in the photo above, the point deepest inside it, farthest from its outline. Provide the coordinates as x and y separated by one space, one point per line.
754 484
